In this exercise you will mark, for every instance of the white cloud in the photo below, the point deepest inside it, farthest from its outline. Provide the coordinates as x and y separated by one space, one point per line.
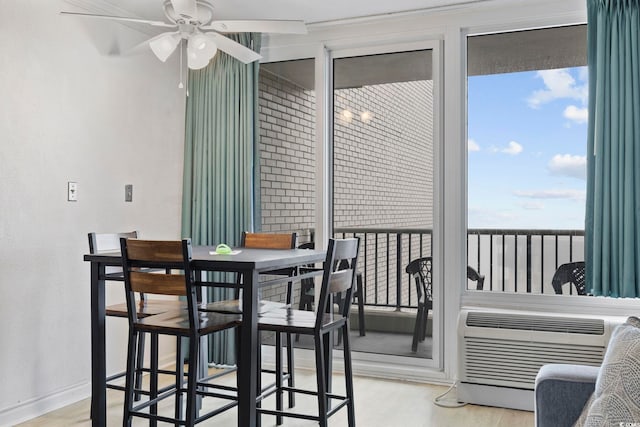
578 115
532 206
514 148
568 165
558 84
583 74
578 195
472 145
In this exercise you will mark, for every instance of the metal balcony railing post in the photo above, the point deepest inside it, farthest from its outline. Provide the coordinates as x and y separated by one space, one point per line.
398 270
528 258
387 271
375 273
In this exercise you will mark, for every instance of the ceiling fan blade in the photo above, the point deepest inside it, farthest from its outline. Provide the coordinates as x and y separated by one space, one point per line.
259 26
160 45
185 8
233 48
122 18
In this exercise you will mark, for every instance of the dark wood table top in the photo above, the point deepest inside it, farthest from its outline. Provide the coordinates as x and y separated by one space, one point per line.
205 258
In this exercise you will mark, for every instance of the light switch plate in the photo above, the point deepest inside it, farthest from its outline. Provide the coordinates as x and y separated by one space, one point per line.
128 193
72 191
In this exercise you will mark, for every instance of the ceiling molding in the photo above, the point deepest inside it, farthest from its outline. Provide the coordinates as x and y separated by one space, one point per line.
451 5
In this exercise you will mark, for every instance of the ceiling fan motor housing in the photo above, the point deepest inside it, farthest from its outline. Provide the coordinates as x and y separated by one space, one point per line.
190 12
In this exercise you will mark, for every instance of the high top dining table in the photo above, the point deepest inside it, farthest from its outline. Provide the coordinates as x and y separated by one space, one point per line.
249 262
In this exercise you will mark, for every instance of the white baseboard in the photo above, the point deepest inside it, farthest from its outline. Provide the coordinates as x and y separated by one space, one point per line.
35 407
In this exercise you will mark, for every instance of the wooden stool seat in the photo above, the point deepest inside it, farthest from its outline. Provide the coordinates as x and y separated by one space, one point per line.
146 308
177 322
234 306
296 321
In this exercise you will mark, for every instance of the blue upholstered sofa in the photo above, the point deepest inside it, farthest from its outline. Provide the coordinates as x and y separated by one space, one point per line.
561 392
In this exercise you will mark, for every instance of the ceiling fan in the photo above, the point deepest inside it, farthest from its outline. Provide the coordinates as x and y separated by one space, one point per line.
192 20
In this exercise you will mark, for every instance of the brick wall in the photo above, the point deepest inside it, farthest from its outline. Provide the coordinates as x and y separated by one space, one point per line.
383 163
287 155
287 162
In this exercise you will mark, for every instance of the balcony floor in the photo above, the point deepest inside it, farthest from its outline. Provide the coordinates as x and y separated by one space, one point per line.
376 342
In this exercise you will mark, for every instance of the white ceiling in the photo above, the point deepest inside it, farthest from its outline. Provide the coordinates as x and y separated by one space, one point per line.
309 11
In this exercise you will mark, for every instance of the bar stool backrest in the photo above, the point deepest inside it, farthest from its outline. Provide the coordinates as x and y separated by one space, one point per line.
108 242
150 267
340 253
269 240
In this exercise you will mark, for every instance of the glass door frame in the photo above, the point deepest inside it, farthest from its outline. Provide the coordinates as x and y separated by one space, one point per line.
324 76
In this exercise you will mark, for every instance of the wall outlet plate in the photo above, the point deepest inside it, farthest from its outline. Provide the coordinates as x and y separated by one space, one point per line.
72 191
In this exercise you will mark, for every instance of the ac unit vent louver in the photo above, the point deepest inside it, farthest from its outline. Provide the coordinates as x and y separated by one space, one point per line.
538 323
501 351
511 363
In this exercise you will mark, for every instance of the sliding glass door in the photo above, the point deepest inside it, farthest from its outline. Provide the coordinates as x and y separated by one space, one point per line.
384 189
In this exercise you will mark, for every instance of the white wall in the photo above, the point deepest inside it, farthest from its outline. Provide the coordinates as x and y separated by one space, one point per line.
69 112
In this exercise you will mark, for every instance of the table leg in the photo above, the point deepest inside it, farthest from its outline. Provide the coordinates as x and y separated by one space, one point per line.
328 363
203 366
98 348
248 363
328 356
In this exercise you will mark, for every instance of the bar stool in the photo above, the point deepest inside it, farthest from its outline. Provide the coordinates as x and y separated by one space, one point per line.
139 257
266 241
320 326
110 242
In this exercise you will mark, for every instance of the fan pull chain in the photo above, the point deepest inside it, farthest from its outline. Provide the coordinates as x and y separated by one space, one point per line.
180 85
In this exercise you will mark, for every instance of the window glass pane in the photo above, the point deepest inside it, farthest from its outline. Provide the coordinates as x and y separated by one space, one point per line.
287 109
527 129
383 190
287 105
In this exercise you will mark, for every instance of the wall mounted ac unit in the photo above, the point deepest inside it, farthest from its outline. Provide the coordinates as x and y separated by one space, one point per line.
501 351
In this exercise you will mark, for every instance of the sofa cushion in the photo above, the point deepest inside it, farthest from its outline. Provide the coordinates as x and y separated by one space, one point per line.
616 399
561 391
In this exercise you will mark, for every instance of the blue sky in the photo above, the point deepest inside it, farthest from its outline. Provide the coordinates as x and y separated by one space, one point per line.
527 145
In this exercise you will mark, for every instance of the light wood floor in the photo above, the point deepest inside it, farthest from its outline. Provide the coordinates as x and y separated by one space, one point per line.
379 403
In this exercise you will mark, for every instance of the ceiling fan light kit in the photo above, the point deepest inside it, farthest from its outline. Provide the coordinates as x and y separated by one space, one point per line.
200 50
164 45
189 18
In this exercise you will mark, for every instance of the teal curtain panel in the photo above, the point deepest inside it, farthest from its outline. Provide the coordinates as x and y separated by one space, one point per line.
221 178
612 223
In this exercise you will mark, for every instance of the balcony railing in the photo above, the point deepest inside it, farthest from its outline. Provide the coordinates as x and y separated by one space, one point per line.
512 260
522 261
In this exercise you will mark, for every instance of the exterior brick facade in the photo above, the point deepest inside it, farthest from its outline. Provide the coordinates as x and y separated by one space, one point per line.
383 156
383 161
